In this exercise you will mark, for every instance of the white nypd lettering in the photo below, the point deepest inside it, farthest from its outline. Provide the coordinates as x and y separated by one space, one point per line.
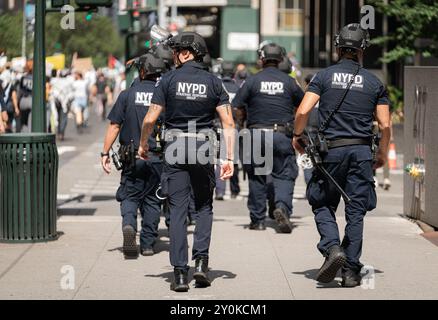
27 83
191 91
272 88
341 81
143 98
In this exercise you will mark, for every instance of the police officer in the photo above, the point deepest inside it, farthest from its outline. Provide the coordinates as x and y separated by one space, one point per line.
140 179
312 127
285 65
165 53
190 96
270 97
349 158
207 62
162 50
227 73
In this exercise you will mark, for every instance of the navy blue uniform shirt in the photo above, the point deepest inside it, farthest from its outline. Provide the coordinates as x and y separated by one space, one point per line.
231 87
270 97
355 117
25 86
129 112
190 93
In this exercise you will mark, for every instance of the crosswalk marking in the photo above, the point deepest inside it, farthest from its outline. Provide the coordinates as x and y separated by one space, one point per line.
65 149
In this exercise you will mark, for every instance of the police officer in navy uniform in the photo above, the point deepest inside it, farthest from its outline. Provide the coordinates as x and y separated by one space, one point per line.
140 179
227 73
349 158
270 98
162 51
285 65
189 95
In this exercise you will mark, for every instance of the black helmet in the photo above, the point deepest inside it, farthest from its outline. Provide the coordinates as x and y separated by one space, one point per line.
353 36
151 64
227 68
285 65
271 52
165 52
191 41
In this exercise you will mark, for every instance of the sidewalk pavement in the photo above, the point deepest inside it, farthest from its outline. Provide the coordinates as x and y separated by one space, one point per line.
87 263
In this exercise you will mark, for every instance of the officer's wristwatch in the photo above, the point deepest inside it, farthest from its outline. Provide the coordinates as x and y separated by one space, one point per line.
298 135
104 154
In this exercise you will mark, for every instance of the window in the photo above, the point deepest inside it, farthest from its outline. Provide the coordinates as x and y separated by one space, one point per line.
290 15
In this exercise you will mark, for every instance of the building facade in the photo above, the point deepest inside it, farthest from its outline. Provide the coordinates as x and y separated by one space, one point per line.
11 5
234 28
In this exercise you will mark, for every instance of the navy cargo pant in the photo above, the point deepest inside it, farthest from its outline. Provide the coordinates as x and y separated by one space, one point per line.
192 211
352 168
137 191
180 180
284 172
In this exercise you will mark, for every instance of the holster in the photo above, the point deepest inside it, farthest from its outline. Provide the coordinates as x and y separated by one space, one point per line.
375 146
321 144
289 129
127 154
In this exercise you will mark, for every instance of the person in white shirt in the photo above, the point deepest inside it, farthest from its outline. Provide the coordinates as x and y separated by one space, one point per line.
80 102
60 99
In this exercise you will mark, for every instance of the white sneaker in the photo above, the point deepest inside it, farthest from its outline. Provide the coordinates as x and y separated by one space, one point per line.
376 182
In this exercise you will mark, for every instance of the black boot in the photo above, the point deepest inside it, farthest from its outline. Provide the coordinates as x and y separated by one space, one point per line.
284 225
335 260
351 279
258 226
180 283
201 270
130 248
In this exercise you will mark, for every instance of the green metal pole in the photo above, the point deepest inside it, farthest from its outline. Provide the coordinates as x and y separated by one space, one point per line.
39 70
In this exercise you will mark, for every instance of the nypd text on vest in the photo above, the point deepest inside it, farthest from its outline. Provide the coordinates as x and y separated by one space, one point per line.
143 98
341 80
191 91
272 88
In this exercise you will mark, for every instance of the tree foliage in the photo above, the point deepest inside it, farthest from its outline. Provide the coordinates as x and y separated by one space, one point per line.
416 19
10 34
97 38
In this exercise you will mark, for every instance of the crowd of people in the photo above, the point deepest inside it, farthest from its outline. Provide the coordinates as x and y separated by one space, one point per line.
70 94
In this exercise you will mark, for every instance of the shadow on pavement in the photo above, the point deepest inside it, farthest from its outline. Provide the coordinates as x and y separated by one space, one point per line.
213 275
97 198
77 198
76 211
312 273
270 224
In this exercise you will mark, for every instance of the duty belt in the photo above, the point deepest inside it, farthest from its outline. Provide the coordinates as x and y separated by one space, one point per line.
169 135
347 142
281 128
